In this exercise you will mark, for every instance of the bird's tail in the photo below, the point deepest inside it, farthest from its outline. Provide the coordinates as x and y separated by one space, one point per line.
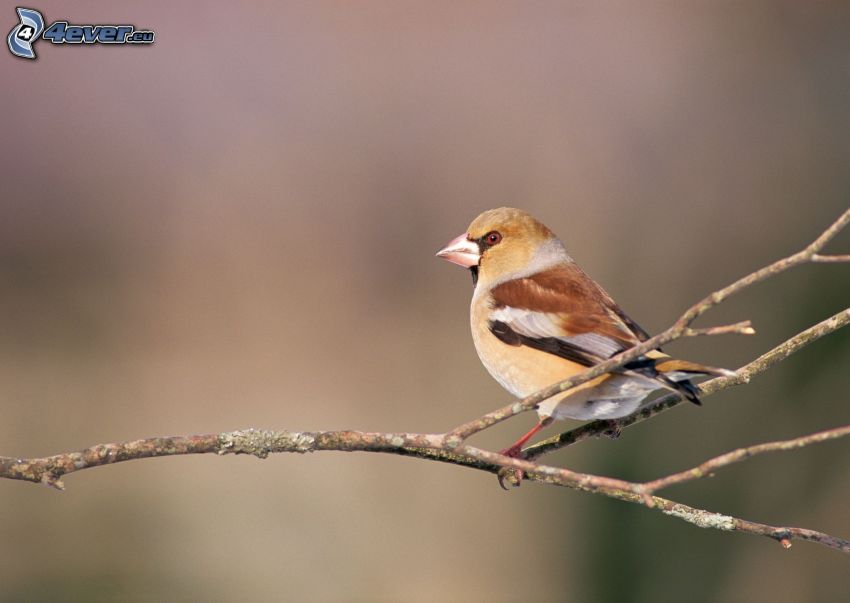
671 365
675 374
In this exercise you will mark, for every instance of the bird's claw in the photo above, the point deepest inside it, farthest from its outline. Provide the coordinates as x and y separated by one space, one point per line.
510 477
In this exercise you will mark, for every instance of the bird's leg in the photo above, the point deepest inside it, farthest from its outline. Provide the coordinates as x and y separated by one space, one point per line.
515 475
514 450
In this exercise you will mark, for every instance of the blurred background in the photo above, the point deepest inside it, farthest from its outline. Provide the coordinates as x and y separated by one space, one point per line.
236 228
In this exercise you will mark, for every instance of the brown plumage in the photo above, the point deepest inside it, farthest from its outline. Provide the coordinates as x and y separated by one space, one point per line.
582 305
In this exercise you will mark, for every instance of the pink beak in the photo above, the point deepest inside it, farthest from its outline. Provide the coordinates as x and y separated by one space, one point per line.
461 251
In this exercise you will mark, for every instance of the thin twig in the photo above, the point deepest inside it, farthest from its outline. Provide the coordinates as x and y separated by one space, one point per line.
739 328
736 456
830 258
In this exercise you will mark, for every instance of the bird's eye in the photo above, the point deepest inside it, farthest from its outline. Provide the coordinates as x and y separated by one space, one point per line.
493 238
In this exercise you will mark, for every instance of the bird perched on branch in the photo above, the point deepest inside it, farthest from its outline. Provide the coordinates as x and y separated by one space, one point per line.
538 319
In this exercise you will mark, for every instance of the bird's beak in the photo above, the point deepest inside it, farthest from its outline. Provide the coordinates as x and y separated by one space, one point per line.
461 251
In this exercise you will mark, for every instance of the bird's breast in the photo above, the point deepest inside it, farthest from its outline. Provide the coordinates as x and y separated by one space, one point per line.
519 369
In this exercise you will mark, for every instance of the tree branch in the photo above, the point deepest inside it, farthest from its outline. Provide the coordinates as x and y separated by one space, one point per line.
261 443
451 447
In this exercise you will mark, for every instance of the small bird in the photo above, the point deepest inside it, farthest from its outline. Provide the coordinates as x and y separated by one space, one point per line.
538 319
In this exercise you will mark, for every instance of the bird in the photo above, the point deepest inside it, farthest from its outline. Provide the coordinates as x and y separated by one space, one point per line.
537 318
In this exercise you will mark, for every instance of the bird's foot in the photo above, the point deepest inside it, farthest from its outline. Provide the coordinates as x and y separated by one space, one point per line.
514 476
510 477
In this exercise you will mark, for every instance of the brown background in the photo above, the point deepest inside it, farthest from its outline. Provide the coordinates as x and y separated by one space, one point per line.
235 227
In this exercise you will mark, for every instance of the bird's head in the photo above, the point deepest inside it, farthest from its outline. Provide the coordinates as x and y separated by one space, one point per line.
502 244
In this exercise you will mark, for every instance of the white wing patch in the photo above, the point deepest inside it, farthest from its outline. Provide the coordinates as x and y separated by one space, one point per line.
596 344
541 325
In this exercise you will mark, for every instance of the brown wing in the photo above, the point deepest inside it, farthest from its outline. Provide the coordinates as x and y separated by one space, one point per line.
562 311
566 304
